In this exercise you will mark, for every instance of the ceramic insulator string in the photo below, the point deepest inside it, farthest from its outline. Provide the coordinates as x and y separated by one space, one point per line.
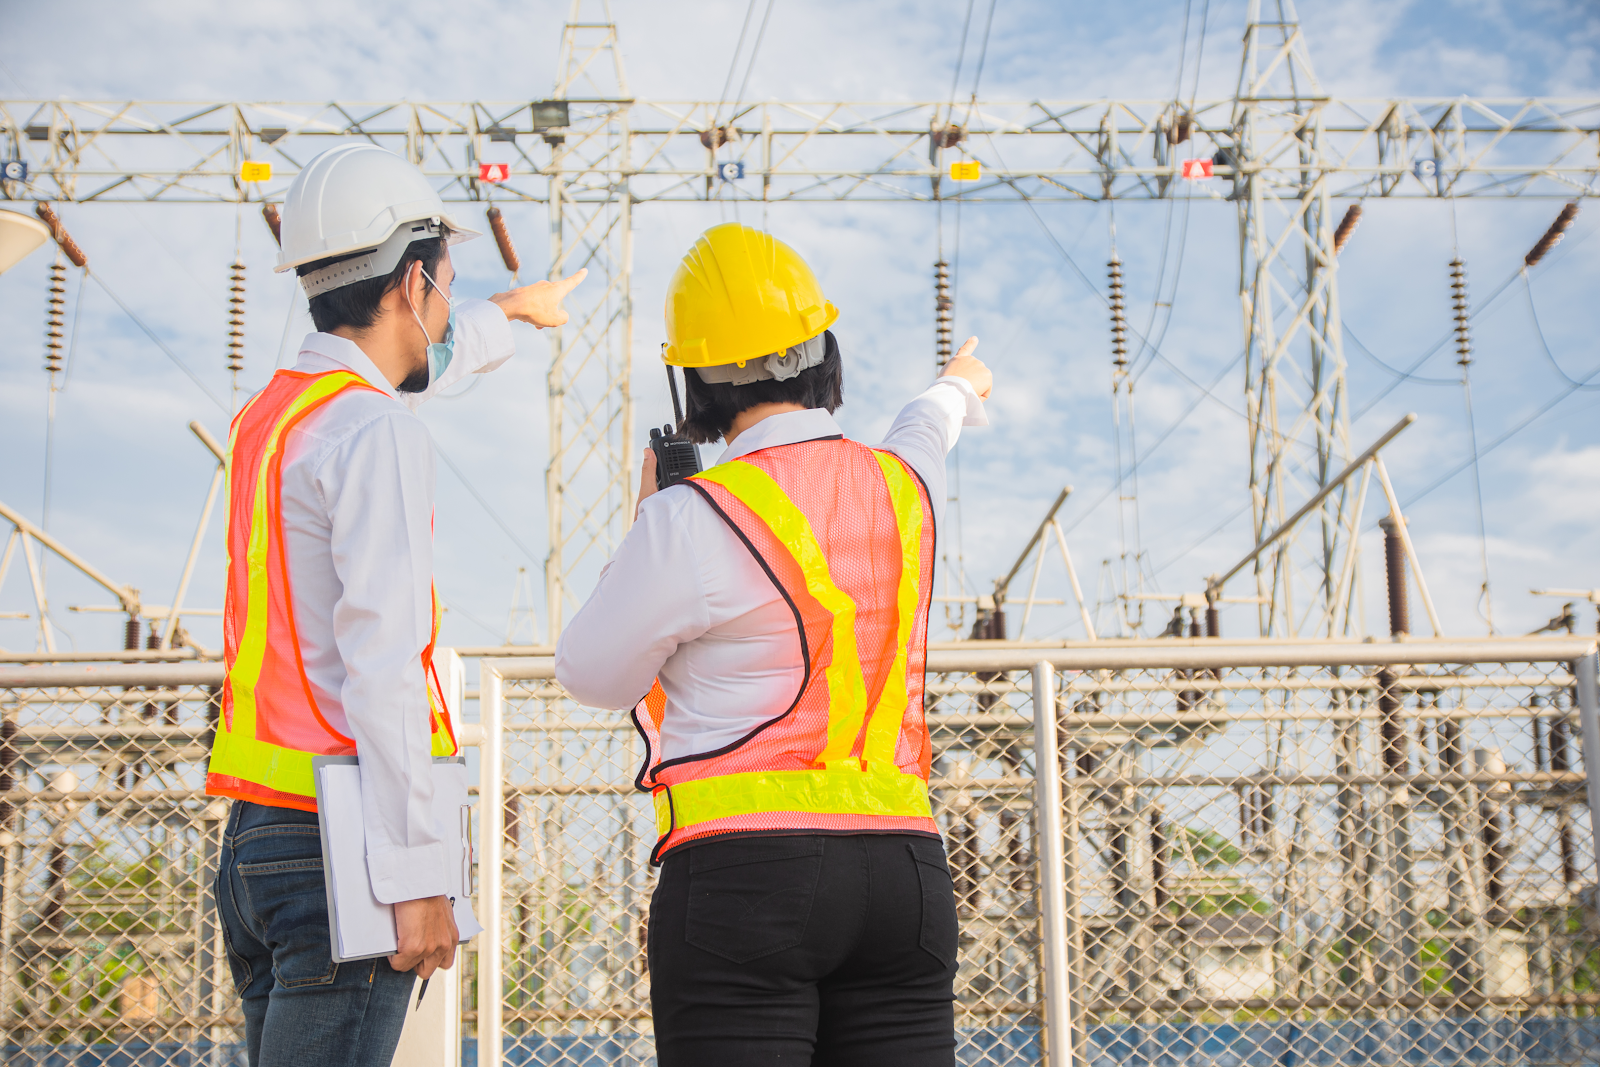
1119 320
1347 226
943 312
55 317
236 317
1552 236
274 220
502 238
1458 301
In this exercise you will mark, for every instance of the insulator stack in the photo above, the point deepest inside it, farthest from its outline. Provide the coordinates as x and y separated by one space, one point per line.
943 311
1458 300
1552 236
56 317
59 232
502 237
236 317
1119 321
274 218
1394 568
1347 226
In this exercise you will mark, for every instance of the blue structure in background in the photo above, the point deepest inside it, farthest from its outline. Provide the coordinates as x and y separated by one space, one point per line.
1531 1042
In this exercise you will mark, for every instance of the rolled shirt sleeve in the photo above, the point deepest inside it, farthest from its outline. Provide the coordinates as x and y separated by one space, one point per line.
927 429
649 600
377 486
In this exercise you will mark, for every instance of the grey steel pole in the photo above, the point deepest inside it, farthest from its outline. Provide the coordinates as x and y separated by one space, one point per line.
1589 717
491 841
1052 869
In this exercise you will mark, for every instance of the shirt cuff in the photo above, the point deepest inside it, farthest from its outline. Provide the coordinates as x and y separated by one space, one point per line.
408 873
975 414
493 329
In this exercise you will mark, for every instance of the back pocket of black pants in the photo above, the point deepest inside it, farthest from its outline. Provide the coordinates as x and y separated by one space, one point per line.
751 897
940 929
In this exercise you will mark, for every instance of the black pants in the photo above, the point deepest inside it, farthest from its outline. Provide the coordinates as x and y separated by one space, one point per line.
814 949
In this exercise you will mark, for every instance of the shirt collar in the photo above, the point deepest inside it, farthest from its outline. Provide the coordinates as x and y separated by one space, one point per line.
325 351
785 428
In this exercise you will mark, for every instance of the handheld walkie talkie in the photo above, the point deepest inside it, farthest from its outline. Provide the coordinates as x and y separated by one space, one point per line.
676 456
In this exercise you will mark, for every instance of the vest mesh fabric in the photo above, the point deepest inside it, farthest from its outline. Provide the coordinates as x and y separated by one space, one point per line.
271 725
840 488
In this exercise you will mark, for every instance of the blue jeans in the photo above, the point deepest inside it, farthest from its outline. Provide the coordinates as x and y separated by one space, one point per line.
300 1008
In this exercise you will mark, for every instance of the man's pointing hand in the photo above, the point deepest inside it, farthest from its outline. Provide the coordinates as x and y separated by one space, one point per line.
539 303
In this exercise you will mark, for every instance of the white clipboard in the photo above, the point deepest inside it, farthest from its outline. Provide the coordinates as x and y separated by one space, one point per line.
359 927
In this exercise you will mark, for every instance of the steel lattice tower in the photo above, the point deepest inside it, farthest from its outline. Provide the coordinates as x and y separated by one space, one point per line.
589 480
1295 396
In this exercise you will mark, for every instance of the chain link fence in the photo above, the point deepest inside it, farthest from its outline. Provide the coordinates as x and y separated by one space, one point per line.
1271 853
110 950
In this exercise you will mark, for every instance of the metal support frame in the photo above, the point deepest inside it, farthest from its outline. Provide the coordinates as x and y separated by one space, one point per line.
1295 397
589 478
1052 870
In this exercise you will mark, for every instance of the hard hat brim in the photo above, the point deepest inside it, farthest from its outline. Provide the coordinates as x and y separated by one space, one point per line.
365 242
696 353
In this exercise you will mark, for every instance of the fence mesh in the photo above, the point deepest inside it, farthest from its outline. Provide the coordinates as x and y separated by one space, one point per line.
1342 865
110 951
1334 865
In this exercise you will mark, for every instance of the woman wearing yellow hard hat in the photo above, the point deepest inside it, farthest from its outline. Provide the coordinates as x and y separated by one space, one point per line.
766 619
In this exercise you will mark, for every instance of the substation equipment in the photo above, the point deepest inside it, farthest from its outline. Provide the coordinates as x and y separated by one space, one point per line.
1183 849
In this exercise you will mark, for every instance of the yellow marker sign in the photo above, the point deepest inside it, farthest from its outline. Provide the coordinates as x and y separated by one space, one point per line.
250 171
966 171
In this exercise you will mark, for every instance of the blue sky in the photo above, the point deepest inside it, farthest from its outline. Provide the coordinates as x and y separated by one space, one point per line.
128 481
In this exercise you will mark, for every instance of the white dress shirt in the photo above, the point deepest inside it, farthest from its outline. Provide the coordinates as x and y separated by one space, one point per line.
358 529
684 600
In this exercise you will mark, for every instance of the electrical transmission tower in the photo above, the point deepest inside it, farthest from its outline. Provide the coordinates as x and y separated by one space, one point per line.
1295 398
589 481
1278 149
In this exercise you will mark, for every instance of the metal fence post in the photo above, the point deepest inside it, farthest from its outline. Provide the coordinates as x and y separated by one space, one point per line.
491 847
1052 869
1589 719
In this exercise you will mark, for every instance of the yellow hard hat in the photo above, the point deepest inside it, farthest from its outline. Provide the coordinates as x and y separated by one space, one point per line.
738 295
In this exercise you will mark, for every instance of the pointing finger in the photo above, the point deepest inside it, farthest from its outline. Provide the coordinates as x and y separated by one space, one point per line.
967 348
566 285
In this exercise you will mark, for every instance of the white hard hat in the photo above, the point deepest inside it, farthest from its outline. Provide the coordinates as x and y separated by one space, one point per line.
353 198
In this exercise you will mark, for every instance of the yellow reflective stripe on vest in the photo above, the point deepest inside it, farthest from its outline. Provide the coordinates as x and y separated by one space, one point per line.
883 727
847 690
834 791
238 752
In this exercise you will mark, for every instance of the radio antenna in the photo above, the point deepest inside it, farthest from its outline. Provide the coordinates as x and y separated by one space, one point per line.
677 406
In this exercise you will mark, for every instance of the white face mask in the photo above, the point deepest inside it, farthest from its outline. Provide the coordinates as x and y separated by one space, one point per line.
439 352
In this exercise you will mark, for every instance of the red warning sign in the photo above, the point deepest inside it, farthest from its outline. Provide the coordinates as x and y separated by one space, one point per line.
493 173
1195 169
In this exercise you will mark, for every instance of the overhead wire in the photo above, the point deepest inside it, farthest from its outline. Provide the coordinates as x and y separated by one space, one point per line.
487 507
1464 360
1544 345
159 343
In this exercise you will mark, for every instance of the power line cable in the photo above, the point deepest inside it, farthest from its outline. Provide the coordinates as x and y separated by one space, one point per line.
1544 345
504 526
148 332
733 65
755 50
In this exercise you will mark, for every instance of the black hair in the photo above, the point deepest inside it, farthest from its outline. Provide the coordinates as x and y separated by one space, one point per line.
711 407
356 306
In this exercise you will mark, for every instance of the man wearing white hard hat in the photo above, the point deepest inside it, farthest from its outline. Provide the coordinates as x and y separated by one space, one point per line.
330 619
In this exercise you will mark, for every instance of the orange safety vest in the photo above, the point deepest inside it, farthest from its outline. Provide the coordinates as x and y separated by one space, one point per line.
271 726
846 534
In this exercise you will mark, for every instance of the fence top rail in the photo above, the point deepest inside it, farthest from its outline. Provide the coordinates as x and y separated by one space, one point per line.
1217 653
99 675
1178 654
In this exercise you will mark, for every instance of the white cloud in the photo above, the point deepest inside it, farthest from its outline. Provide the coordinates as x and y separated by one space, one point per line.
129 480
